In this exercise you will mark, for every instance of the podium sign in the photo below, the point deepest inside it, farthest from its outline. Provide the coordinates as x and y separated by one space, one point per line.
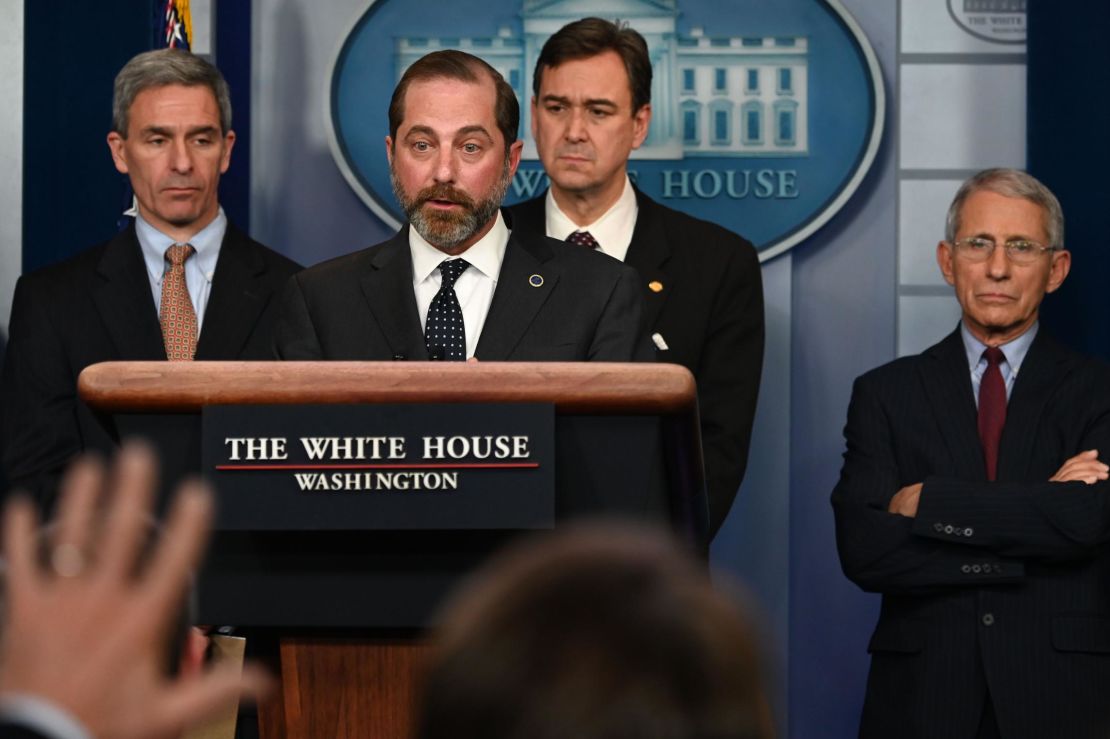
317 554
381 467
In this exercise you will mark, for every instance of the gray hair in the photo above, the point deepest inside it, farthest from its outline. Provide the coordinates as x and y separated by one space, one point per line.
167 67
1011 183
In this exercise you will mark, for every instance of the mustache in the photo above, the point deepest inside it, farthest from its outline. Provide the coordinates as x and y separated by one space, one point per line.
446 192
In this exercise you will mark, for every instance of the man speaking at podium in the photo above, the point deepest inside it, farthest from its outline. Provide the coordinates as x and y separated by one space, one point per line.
456 282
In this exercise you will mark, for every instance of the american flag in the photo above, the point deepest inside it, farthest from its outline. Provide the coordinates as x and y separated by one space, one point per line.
177 24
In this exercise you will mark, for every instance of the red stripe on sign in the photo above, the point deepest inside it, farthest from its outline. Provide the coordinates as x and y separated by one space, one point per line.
466 466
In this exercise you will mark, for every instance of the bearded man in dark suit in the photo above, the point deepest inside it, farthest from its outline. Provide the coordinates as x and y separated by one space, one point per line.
702 287
973 497
456 283
180 283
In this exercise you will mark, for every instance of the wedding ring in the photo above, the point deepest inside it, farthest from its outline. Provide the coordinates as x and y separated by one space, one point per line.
67 560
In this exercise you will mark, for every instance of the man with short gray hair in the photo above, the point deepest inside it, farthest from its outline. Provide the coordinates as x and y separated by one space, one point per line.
180 283
973 497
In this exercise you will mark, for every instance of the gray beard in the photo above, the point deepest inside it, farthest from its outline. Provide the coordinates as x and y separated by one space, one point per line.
446 231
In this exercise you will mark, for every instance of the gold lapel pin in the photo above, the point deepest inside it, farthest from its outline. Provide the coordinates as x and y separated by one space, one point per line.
536 280
655 286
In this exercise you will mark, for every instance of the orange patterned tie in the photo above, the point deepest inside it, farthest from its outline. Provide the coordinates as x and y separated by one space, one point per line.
179 321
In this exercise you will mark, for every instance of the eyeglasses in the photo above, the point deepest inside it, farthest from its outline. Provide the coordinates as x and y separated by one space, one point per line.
1018 251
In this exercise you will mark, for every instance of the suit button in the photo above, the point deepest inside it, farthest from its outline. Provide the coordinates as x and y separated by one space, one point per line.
949 529
969 531
976 569
938 527
998 568
966 569
988 619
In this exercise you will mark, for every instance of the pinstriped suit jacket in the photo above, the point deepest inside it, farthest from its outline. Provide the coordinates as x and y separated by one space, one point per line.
995 586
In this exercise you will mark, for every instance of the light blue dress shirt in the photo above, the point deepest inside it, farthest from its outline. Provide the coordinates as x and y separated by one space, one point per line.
199 268
1014 351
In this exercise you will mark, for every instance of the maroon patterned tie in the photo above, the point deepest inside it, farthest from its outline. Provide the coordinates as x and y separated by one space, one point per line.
179 320
992 409
584 238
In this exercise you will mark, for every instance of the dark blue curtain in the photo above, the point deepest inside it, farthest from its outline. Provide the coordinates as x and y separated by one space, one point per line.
1069 150
71 192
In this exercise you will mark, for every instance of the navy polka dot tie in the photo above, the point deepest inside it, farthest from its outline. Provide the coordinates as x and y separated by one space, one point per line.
444 333
584 238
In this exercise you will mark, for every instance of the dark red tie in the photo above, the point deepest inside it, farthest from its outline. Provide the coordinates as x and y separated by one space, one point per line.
992 409
583 238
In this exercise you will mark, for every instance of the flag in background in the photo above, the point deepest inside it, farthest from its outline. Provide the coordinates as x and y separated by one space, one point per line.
177 24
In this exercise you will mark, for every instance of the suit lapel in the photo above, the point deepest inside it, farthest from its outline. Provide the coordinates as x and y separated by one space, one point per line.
516 301
124 299
528 218
648 253
236 299
947 382
387 287
1040 372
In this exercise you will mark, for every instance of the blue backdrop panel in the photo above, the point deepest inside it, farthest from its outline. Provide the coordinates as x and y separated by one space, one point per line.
1069 115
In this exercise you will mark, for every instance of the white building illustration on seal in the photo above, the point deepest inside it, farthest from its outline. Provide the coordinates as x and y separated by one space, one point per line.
712 96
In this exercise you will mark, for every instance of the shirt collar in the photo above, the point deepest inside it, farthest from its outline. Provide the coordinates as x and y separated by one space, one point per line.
614 227
485 255
205 242
1014 350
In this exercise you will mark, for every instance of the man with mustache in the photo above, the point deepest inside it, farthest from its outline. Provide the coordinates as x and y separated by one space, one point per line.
702 287
973 497
456 282
179 283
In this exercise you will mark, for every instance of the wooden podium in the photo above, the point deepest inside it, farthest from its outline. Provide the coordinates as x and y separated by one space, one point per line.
350 608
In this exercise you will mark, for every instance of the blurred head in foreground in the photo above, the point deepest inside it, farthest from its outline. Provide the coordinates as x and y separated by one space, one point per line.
594 632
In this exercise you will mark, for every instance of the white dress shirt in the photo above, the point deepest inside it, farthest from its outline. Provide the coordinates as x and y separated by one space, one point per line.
612 231
474 288
199 268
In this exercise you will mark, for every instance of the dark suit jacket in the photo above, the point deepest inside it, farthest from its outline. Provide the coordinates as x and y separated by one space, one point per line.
362 307
97 307
710 313
1001 586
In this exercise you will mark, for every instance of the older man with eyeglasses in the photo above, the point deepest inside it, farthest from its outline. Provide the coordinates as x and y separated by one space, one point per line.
973 498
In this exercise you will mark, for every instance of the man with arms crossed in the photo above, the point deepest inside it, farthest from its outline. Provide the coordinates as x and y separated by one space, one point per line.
180 283
972 497
702 287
